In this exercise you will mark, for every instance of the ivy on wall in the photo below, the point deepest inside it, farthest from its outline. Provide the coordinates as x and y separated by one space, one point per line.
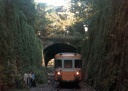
20 49
105 54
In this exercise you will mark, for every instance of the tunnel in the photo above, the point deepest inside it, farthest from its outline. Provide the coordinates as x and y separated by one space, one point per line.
50 51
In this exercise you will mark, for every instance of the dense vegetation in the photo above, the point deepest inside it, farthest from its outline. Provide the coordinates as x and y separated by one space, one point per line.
20 49
106 54
104 45
58 21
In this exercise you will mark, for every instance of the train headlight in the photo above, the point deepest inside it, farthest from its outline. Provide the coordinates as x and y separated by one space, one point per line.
59 76
58 73
77 73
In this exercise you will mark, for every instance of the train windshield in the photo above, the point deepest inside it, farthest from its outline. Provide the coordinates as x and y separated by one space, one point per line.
78 63
58 63
67 63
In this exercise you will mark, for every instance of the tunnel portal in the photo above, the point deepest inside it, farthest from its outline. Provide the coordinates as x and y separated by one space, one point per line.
50 51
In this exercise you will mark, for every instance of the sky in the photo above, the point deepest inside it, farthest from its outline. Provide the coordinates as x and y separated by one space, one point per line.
53 2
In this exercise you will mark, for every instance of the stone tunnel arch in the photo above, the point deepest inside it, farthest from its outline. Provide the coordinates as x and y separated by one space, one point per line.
50 51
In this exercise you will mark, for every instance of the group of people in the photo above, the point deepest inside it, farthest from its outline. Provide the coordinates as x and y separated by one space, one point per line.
29 79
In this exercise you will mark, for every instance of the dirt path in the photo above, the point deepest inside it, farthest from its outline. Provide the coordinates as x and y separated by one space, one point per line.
55 87
45 87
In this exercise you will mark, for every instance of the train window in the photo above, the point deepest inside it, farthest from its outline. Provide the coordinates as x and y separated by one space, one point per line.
67 63
78 63
58 63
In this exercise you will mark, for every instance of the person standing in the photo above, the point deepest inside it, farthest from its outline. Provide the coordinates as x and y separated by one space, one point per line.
25 78
33 79
30 80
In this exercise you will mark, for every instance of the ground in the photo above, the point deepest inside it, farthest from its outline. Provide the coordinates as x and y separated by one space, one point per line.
55 87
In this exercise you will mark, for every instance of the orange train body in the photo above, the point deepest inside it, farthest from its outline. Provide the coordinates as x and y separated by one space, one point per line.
70 73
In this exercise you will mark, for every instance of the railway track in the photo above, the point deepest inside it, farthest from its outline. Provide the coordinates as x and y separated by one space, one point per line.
74 89
82 87
68 88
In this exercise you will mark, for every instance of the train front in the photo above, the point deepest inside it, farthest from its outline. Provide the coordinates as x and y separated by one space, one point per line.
68 68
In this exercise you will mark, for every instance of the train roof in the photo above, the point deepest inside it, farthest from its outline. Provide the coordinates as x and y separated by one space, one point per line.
68 55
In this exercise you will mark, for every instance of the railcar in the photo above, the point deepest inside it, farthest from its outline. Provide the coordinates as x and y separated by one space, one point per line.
68 67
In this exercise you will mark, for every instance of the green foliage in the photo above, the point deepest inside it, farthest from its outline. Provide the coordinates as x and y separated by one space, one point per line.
52 21
41 75
61 21
41 20
105 46
20 49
